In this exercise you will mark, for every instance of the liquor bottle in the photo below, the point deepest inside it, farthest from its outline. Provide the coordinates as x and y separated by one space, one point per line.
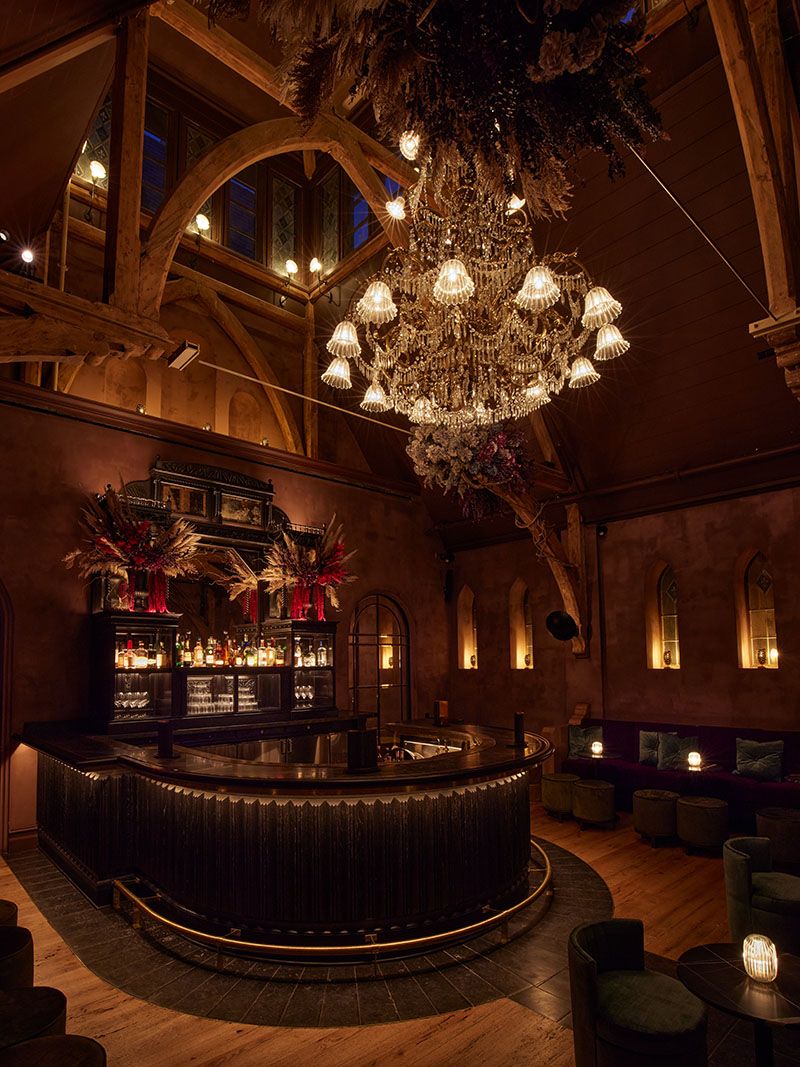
219 654
178 650
309 656
237 654
262 653
151 654
322 655
119 655
210 652
228 655
298 655
187 651
280 654
140 658
161 655
130 655
272 653
249 655
199 654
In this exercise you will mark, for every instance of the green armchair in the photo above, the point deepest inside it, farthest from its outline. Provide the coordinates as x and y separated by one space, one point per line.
759 899
624 1015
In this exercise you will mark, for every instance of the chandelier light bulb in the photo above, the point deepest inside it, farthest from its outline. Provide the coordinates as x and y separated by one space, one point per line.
409 145
338 374
26 255
202 222
291 267
97 170
315 266
582 373
515 203
376 305
375 398
599 308
539 290
397 207
610 343
344 341
454 285
537 392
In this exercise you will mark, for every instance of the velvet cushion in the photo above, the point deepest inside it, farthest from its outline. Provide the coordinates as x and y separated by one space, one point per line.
673 751
776 892
761 760
581 737
648 746
648 1012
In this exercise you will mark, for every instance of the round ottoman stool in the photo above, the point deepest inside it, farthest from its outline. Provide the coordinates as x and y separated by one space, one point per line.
557 794
8 913
16 957
782 827
29 1013
702 822
69 1050
654 814
593 803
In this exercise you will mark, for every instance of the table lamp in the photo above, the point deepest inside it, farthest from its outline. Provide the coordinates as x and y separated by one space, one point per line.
760 958
695 761
597 749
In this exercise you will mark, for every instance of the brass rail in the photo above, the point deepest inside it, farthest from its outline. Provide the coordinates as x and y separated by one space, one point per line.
373 948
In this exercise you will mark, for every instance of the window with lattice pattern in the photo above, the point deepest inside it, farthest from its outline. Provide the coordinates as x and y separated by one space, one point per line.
668 613
284 223
759 595
97 146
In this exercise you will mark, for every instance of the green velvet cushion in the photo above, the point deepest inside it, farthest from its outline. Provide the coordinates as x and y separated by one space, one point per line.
647 1012
776 892
648 746
581 737
762 760
673 752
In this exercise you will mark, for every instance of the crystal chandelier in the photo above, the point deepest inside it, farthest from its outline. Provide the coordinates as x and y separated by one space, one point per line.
468 325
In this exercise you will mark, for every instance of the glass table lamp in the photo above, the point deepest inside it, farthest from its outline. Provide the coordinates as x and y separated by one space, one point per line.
597 749
695 761
760 958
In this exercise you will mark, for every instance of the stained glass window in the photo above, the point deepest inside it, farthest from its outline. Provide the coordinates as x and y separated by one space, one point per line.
527 616
668 611
154 163
761 613
241 206
97 146
197 142
284 224
330 221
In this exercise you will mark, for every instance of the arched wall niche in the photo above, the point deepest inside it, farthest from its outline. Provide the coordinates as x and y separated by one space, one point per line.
125 383
756 624
379 658
520 626
467 626
245 417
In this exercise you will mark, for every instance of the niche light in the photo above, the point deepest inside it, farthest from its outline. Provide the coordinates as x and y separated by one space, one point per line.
760 958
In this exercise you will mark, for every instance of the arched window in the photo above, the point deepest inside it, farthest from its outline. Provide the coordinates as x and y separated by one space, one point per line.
758 636
661 617
467 622
520 620
379 659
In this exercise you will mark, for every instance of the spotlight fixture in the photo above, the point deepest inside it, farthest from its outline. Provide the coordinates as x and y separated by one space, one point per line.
140 409
207 427
265 442
26 255
184 354
290 267
202 222
3 236
315 266
409 145
397 207
97 170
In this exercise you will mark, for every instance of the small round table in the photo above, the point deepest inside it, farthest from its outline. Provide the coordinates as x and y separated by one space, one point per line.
716 974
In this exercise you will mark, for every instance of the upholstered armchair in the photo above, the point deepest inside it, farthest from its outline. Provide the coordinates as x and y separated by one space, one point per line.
622 1014
759 899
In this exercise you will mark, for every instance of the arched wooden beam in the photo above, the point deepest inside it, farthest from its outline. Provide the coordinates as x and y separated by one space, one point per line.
241 337
224 160
750 44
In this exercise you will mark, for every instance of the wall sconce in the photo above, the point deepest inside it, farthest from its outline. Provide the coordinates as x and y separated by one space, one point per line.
207 427
202 223
315 266
140 409
97 171
597 749
695 761
291 268
760 958
265 442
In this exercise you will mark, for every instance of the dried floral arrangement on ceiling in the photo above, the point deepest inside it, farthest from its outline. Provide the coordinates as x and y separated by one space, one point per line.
520 86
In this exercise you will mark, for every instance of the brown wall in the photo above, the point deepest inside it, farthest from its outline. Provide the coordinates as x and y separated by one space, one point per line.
48 462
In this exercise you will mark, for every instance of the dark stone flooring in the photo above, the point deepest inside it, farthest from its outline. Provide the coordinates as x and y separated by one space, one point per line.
165 969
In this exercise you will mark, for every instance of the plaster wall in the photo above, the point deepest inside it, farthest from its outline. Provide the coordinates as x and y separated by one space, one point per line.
48 462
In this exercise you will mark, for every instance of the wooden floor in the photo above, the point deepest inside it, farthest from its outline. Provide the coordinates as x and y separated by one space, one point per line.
680 899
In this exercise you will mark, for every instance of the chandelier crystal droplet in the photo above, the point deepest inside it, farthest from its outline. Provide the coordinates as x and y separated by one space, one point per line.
468 325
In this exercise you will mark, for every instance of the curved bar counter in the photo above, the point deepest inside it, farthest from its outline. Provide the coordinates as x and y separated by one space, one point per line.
298 853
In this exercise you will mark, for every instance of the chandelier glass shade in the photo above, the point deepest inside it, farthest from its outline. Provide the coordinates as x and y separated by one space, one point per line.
468 325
